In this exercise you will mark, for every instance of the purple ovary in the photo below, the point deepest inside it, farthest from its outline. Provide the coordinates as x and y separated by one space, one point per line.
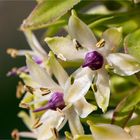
55 102
93 60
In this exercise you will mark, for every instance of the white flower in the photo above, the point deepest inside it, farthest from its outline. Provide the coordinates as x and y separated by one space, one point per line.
37 52
96 56
46 131
71 111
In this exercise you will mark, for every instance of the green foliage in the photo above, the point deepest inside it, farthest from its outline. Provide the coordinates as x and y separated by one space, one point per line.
47 12
132 44
126 107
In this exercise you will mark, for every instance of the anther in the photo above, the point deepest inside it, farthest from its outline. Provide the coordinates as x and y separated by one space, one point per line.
45 91
77 44
24 105
29 89
15 134
100 44
72 80
94 87
12 52
55 133
20 90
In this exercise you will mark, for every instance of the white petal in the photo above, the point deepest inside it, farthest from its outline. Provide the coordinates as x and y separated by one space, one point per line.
135 132
108 132
26 119
39 100
83 108
74 121
50 119
112 37
28 135
28 80
26 100
123 64
34 44
79 87
82 71
102 94
81 32
60 74
65 48
39 74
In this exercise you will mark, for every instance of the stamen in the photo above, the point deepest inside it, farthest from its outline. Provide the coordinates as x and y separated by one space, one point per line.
29 89
20 90
95 78
100 44
24 105
55 133
15 134
37 124
12 52
109 68
45 91
77 44
94 87
126 129
72 80
61 57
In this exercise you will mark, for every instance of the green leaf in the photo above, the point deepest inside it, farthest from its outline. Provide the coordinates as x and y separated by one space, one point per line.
47 12
108 132
132 44
121 87
125 108
96 118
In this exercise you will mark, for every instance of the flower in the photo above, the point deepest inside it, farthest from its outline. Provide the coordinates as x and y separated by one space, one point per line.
56 102
44 129
97 56
37 52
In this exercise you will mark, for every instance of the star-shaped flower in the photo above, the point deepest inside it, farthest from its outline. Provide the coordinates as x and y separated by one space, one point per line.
96 57
56 100
37 52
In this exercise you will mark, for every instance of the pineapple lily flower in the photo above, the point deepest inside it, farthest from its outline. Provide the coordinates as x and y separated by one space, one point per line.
46 131
96 57
56 102
38 53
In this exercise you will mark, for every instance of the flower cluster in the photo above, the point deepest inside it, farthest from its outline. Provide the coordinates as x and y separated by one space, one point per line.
54 97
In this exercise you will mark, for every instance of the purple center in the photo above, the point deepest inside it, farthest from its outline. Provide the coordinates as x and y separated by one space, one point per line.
37 59
93 60
55 102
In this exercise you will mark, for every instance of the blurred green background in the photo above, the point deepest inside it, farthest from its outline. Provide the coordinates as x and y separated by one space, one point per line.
12 14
